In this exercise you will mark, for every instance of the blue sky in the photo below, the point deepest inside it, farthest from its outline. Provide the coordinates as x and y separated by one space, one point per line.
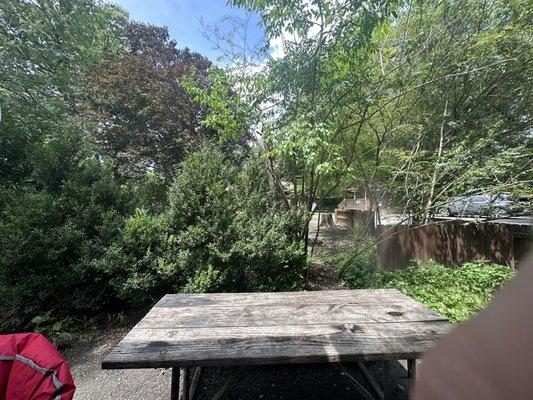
182 17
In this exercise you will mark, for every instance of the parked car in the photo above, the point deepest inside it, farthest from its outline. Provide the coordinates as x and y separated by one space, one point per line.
495 206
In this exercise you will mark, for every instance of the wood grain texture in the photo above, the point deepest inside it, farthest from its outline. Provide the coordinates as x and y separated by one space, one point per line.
272 328
283 298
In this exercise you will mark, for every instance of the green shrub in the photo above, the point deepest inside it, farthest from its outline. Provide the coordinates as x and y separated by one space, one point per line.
222 231
457 293
77 246
133 261
227 225
49 240
358 265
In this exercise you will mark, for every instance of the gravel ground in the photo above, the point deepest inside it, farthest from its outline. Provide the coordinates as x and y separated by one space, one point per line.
93 383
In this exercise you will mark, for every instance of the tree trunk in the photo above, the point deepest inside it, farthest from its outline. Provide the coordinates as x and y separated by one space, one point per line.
430 201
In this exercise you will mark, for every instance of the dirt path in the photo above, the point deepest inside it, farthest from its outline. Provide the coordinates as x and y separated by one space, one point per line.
332 240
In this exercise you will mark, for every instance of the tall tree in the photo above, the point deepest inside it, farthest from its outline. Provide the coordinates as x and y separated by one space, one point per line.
47 48
309 90
414 101
146 120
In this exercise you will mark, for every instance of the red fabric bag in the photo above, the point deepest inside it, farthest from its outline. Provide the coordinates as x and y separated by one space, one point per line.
32 369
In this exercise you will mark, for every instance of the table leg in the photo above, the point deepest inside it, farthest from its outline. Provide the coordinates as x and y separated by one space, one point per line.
184 384
179 389
387 384
175 384
411 369
370 379
194 382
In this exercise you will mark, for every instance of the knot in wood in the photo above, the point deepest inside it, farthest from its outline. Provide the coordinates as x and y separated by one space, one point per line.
349 327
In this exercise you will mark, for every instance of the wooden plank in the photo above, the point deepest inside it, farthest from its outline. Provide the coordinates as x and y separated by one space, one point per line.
374 341
269 328
179 335
371 296
301 314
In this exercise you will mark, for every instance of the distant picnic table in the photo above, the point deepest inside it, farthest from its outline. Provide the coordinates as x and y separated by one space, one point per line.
246 329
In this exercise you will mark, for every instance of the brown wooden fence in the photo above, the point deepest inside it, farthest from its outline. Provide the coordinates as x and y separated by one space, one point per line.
452 243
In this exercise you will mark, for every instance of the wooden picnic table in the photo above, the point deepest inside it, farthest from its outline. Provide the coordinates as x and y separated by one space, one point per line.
245 329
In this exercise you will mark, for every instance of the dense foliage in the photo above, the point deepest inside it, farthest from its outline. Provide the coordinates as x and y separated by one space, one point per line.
130 168
220 232
50 240
144 118
113 190
408 101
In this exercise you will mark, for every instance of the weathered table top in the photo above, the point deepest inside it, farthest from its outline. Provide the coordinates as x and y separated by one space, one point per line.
277 328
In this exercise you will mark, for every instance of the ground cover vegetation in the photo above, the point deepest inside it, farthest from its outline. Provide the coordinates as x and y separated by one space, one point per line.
130 168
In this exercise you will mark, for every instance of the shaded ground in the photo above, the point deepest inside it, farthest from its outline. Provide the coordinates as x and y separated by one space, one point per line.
315 381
